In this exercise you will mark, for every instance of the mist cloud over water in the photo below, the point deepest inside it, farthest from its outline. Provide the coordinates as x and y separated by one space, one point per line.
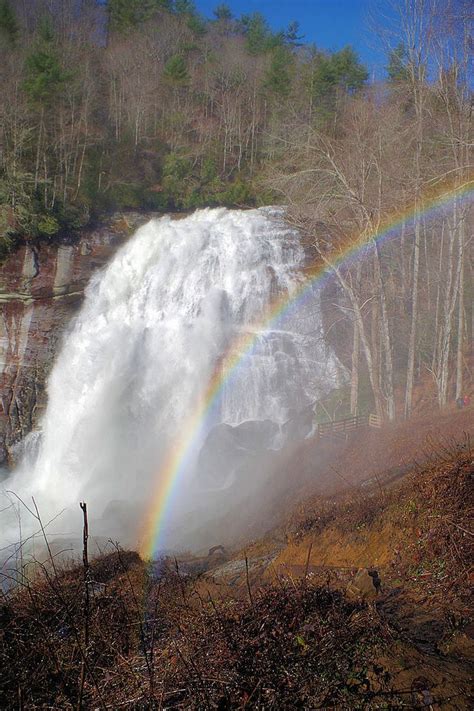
137 360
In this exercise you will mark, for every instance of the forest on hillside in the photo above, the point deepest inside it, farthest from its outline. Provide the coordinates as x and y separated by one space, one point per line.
270 402
145 104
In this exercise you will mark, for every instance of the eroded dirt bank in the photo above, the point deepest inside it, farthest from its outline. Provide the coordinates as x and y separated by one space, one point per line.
416 532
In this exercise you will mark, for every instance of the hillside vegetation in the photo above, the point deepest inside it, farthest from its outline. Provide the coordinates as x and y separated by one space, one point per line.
272 626
145 104
134 104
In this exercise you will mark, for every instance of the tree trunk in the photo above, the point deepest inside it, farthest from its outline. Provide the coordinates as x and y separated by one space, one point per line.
371 365
460 343
355 359
449 307
386 339
38 148
413 325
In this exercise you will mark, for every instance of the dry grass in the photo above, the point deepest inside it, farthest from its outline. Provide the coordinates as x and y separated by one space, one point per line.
157 639
428 512
290 645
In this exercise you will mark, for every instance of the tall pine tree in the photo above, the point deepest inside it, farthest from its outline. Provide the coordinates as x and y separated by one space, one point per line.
397 68
278 79
44 74
8 23
126 14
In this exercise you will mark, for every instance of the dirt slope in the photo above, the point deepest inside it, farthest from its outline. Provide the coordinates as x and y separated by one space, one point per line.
288 622
417 532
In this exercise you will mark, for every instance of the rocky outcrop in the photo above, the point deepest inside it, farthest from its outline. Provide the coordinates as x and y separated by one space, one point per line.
41 287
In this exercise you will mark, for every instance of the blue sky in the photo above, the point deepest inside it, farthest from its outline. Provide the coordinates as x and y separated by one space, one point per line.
330 24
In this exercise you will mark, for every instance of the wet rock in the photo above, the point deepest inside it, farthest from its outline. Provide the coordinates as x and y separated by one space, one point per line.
376 579
41 288
460 643
421 695
364 585
217 554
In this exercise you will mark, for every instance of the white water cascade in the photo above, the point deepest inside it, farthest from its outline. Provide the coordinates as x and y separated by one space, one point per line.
139 355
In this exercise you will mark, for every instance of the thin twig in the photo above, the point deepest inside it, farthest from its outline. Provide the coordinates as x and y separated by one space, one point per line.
248 580
85 560
307 560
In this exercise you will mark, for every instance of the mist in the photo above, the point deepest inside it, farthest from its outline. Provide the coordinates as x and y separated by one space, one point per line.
135 364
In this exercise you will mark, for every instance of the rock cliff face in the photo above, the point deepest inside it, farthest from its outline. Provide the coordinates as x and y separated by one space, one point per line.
41 288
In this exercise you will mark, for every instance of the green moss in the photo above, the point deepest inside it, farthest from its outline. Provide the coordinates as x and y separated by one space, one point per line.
48 225
126 196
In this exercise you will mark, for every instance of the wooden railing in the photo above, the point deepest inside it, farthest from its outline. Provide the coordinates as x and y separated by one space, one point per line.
344 427
374 420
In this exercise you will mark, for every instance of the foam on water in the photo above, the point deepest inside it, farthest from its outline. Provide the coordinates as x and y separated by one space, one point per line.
153 325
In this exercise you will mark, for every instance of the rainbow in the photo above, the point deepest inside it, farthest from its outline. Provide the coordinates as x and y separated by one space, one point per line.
180 457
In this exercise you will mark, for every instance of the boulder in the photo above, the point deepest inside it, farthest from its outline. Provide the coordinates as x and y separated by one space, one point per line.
365 585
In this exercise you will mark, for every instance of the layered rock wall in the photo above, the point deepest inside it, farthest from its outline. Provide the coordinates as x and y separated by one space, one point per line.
41 287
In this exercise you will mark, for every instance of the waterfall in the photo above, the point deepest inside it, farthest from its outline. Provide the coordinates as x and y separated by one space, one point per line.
138 356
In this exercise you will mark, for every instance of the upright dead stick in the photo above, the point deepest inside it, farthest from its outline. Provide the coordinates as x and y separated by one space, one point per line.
307 560
248 579
85 561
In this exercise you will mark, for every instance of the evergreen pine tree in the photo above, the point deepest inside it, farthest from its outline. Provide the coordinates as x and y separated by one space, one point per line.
397 64
278 80
176 71
292 36
223 12
185 7
44 74
257 32
126 14
347 72
8 22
